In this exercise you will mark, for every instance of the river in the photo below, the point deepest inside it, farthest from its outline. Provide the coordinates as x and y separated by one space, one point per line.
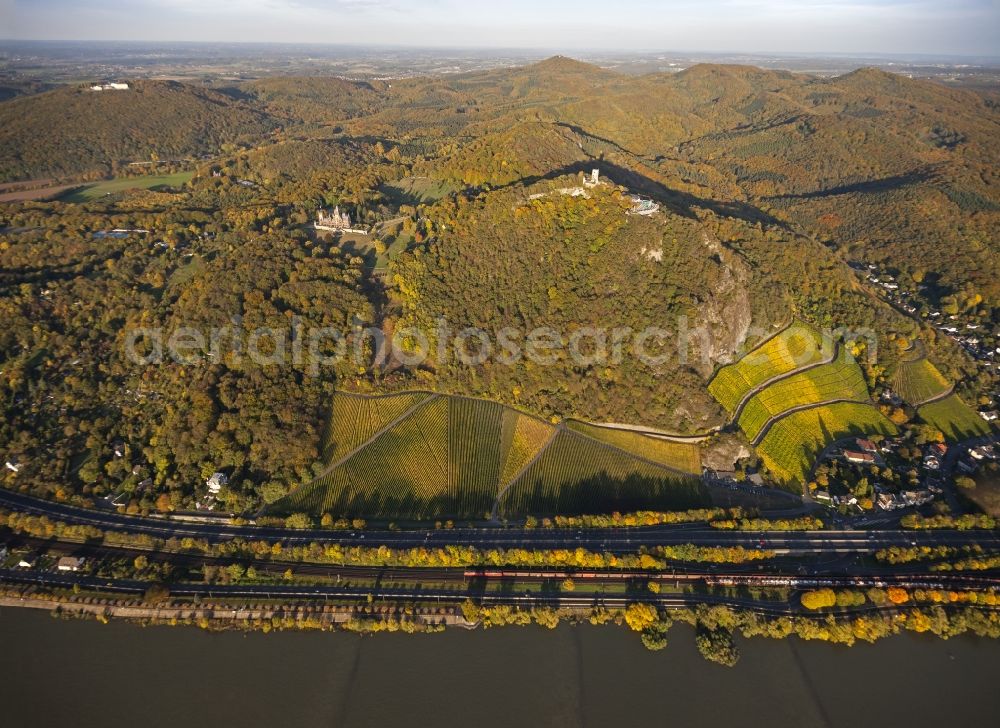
82 673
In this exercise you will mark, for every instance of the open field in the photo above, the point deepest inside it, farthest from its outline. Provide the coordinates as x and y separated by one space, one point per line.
841 379
680 455
796 347
790 447
416 190
419 455
97 190
32 195
954 418
918 380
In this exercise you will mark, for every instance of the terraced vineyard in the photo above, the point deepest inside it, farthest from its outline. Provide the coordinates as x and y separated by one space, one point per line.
420 455
787 420
841 379
791 445
683 456
954 418
918 380
798 346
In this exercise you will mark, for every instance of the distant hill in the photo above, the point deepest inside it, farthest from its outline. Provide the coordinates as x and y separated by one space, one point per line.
74 130
314 99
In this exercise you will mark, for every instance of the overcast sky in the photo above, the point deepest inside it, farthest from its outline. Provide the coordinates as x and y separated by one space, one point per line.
965 27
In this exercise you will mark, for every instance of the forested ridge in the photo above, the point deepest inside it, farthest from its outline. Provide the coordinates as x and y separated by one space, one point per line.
769 184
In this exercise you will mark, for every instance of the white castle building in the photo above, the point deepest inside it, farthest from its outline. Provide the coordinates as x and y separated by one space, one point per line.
336 221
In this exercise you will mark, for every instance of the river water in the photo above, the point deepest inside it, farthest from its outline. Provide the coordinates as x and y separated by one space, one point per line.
82 673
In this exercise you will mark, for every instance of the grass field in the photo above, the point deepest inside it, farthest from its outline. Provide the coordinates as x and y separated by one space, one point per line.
954 418
840 379
416 190
791 445
918 380
149 182
682 456
420 456
797 346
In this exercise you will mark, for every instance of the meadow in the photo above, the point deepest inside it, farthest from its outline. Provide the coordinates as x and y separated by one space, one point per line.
97 190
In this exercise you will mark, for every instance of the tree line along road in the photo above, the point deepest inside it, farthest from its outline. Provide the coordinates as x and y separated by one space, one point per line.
612 540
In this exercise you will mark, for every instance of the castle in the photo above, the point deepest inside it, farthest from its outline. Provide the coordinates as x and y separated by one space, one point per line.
336 221
332 221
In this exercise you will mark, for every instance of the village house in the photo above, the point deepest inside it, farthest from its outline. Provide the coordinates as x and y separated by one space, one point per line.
939 449
859 458
69 563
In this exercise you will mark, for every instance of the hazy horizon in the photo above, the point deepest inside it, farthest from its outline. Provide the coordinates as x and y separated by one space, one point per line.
965 28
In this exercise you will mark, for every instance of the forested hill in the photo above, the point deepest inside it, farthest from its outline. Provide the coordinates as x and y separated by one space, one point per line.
780 197
76 130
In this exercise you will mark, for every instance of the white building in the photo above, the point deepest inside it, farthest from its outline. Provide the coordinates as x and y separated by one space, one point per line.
69 563
216 482
594 179
335 220
109 87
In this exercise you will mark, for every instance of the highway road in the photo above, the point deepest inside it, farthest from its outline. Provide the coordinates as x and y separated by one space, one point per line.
612 540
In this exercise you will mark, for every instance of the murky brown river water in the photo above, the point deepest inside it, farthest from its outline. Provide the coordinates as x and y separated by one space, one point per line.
80 673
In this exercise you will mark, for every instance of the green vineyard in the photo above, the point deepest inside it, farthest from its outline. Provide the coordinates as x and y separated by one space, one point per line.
355 419
683 456
798 346
787 420
841 379
918 380
954 418
574 475
791 445
421 455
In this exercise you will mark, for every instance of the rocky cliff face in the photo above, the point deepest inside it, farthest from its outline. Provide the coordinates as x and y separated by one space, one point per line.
725 315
